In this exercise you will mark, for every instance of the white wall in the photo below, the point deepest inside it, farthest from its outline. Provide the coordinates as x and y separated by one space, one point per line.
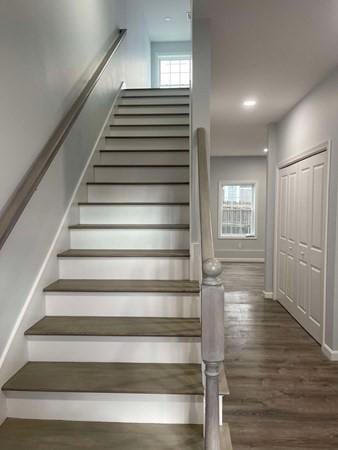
48 50
158 49
311 122
248 169
137 61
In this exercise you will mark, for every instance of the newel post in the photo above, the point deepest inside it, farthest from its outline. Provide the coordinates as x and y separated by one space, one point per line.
212 347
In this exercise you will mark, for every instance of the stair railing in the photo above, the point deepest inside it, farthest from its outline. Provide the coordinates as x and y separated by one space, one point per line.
31 180
212 303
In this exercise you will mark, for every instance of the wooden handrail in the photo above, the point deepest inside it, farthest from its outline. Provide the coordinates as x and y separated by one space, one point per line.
212 303
28 185
207 242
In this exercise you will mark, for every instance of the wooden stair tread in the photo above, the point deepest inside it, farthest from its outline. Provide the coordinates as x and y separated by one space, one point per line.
146 151
175 89
183 136
129 226
133 204
139 183
116 326
147 125
157 96
142 165
124 254
160 105
17 434
119 378
159 286
136 116
139 113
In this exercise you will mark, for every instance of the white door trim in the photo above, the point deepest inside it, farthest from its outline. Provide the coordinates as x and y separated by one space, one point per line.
324 146
320 148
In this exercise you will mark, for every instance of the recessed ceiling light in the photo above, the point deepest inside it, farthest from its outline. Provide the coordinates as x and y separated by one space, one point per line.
266 150
167 19
249 103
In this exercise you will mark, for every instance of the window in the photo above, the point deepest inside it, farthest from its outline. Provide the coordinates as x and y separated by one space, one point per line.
237 214
175 72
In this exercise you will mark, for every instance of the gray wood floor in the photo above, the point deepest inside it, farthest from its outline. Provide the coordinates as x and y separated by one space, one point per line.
283 391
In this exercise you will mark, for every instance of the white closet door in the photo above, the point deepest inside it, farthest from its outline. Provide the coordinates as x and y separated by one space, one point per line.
301 241
287 237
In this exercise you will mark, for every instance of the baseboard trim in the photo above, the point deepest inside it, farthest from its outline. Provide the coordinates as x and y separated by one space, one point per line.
244 260
268 295
332 355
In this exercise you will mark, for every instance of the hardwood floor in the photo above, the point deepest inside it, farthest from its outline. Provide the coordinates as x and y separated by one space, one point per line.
283 391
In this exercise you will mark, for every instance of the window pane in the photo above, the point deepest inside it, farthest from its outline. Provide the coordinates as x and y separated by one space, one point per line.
175 79
185 66
175 72
165 79
238 210
165 66
175 67
185 79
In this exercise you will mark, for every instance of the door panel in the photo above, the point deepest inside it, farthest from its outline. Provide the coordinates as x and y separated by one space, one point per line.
283 206
291 287
292 208
315 309
304 187
282 273
302 287
301 241
318 207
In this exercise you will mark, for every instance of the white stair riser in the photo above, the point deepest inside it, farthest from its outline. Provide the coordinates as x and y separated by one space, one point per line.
119 349
162 130
141 174
125 268
151 120
132 408
138 193
150 158
129 239
153 109
170 100
155 92
122 305
134 214
156 143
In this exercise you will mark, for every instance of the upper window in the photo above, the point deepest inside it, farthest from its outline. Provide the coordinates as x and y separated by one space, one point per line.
175 72
237 215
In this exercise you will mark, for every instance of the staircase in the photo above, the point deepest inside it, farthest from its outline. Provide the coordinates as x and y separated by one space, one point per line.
116 361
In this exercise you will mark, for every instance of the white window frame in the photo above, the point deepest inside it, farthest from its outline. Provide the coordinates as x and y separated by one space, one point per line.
174 57
222 236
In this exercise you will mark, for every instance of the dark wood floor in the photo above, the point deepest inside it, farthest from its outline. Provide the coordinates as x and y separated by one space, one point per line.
284 393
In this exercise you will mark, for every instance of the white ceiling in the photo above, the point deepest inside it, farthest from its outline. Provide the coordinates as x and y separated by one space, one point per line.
178 29
273 50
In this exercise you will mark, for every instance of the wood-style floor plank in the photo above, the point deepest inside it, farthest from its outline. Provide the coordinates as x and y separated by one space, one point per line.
283 391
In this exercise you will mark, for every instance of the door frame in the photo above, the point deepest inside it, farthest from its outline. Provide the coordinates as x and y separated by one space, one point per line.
324 146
